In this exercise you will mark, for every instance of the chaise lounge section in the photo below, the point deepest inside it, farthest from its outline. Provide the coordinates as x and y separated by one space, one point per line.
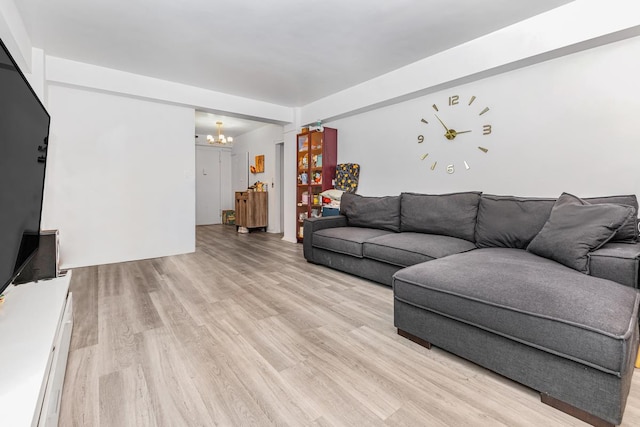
508 283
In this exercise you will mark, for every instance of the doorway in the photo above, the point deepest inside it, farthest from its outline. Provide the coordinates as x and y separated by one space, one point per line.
213 176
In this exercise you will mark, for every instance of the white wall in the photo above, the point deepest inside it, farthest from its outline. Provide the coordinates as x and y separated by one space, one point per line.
568 124
263 141
573 27
120 179
290 179
14 35
66 72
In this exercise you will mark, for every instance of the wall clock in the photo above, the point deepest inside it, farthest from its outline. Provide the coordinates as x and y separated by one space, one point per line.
454 129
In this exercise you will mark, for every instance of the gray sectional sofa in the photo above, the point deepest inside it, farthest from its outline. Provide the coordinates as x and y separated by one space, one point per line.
542 291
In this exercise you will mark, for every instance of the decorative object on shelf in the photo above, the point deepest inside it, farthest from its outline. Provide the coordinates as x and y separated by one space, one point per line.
347 176
260 163
317 128
304 162
317 161
259 186
304 178
303 144
317 178
220 139
465 119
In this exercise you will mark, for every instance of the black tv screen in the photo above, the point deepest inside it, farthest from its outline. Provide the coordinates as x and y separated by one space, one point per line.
24 132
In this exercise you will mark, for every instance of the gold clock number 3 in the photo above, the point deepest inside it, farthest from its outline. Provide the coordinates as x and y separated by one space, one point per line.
451 133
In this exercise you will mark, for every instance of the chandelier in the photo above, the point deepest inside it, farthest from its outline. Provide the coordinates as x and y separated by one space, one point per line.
220 139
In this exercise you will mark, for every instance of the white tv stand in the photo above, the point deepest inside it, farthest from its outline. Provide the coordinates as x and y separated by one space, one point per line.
36 321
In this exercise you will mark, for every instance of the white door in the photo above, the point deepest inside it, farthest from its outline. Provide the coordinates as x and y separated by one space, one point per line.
227 198
240 171
208 182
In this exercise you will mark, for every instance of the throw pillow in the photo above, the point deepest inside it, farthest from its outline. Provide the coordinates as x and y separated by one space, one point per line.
333 194
371 212
575 228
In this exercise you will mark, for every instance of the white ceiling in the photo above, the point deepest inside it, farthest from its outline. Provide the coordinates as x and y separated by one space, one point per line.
231 126
288 52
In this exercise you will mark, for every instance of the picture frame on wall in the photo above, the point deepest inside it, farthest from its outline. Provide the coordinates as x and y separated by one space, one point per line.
260 163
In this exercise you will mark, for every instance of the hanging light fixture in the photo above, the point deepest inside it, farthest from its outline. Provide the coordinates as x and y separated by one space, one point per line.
220 139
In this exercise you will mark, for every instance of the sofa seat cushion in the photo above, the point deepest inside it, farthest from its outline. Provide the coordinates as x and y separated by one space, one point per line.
405 249
529 299
345 240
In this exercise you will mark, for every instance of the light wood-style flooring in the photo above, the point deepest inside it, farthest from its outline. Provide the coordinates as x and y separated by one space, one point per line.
245 332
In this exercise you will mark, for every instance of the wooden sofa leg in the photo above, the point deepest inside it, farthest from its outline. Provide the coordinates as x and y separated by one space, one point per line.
414 338
574 412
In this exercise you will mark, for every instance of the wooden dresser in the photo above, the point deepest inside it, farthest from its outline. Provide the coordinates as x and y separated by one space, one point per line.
252 209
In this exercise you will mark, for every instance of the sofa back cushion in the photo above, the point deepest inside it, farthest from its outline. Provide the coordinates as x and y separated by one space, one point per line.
446 214
371 212
629 231
510 222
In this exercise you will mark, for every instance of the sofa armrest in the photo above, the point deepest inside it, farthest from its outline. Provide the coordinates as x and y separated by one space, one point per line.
616 261
312 225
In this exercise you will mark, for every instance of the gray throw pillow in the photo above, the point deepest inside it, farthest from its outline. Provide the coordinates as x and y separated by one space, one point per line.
575 228
445 214
371 212
510 222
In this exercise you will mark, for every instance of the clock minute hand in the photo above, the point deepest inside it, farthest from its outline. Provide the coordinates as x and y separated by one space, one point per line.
462 131
442 123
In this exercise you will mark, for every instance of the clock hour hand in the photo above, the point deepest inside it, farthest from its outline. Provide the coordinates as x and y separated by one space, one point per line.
452 133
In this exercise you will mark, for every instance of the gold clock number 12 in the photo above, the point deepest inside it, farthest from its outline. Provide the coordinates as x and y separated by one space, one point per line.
474 130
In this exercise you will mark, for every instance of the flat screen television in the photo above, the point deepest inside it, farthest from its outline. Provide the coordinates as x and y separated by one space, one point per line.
24 133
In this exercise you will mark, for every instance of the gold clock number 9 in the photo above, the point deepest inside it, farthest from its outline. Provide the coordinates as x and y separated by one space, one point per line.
420 139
